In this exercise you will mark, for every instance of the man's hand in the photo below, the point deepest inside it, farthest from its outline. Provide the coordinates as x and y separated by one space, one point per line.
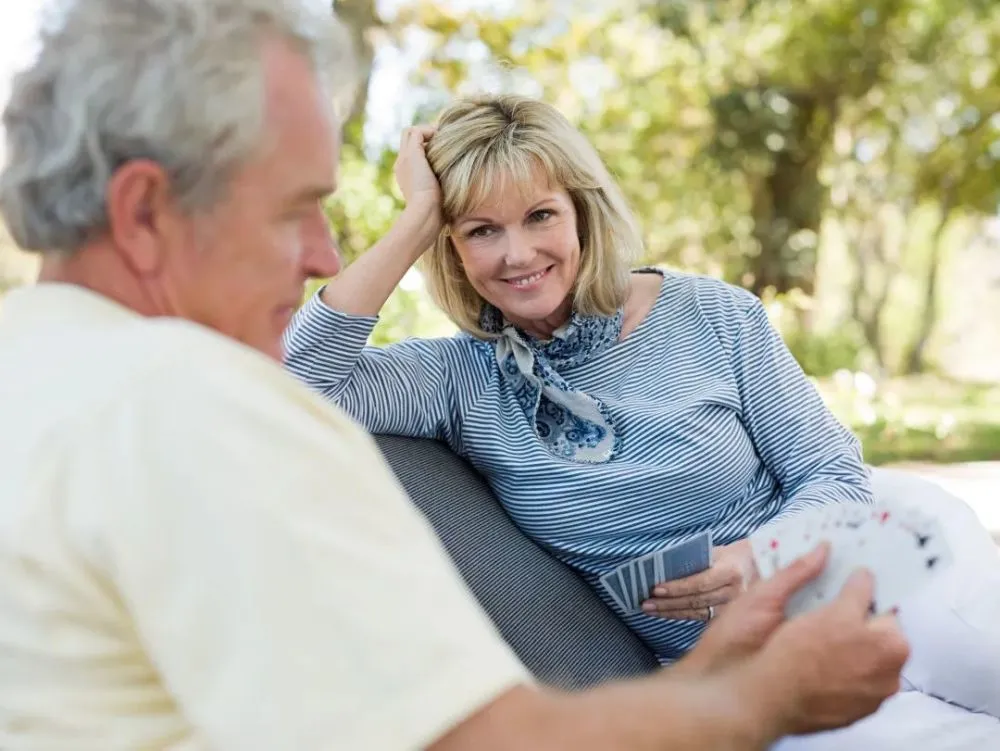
750 621
690 598
835 665
822 670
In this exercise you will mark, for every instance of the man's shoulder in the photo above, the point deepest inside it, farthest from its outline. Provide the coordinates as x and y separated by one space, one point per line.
167 355
143 367
192 367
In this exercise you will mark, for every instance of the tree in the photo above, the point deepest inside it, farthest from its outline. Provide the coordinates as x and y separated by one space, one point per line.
741 130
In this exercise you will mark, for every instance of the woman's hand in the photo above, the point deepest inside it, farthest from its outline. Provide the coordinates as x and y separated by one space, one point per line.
416 180
363 287
702 596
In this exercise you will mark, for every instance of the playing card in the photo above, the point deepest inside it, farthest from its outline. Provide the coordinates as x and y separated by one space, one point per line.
613 586
627 578
779 543
632 582
908 555
686 558
651 575
636 583
640 575
902 549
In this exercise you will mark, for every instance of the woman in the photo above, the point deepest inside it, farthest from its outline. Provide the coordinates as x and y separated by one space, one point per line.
613 412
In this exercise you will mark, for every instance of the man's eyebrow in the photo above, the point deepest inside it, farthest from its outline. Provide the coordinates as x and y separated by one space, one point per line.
313 193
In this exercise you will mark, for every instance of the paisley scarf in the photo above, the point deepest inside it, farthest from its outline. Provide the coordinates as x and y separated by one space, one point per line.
572 424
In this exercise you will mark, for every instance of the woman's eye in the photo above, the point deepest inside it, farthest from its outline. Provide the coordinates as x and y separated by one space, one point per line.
483 231
541 215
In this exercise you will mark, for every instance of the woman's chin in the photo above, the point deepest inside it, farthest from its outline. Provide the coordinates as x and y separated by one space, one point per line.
539 311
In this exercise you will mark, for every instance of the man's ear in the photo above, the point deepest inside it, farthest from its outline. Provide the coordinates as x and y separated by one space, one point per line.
142 214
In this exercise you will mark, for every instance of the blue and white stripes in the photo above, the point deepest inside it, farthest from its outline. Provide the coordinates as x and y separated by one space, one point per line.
720 428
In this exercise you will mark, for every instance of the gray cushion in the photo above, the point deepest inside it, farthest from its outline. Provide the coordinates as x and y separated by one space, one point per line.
561 631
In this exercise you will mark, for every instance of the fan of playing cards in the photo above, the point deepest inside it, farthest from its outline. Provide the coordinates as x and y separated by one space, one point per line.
632 583
902 548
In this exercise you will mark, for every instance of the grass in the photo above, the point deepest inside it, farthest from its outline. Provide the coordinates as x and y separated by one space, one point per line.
920 419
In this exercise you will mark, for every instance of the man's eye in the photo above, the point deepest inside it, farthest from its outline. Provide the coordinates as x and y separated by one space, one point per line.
303 212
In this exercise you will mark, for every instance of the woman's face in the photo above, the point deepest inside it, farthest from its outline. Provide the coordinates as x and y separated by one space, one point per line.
521 252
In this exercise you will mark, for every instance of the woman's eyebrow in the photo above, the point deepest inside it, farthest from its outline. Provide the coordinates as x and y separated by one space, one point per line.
535 206
469 219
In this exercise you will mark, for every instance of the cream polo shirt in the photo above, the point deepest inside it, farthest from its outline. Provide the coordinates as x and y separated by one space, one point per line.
196 552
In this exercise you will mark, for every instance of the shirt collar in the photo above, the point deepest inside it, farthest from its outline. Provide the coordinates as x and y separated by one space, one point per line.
56 303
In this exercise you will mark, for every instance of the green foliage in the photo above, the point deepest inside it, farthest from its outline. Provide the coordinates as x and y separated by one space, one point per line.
924 419
825 353
409 312
365 204
822 352
842 149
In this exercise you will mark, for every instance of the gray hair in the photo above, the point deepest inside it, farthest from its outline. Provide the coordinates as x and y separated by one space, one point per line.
180 82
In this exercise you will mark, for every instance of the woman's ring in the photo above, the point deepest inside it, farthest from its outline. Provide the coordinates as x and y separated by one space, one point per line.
711 612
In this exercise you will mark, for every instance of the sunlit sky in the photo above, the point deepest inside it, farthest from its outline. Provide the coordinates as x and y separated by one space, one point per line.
19 20
390 108
18 26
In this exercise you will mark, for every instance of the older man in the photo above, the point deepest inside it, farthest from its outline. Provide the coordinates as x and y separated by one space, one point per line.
197 552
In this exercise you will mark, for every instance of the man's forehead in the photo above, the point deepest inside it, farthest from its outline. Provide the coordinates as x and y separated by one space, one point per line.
302 140
291 84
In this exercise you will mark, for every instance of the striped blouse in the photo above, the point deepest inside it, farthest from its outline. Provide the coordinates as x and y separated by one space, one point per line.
720 429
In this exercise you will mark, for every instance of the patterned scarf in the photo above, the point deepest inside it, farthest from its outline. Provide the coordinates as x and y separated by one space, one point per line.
572 425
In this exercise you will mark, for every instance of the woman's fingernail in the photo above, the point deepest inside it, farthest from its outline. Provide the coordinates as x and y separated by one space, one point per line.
659 592
648 607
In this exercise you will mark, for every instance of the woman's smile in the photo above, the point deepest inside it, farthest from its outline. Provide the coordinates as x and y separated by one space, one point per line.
528 282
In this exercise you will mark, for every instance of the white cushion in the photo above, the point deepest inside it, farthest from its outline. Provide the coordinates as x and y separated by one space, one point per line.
954 623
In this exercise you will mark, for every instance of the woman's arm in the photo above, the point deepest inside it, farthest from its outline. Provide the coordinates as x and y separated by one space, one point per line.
404 389
815 459
363 287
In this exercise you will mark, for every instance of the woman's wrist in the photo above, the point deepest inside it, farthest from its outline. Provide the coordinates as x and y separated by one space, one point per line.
421 221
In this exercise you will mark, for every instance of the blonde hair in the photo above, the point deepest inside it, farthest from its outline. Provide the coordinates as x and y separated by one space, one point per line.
484 144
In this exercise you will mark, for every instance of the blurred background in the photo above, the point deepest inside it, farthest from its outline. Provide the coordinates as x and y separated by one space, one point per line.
839 158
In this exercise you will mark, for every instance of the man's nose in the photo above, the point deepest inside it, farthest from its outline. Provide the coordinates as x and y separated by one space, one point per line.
322 257
325 261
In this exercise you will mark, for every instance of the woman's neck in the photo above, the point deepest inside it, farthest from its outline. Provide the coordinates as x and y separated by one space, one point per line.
543 328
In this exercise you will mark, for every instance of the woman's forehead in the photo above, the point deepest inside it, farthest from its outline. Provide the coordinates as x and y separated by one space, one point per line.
510 193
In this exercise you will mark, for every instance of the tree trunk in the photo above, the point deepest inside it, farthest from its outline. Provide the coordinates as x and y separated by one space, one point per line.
916 358
789 200
362 21
866 307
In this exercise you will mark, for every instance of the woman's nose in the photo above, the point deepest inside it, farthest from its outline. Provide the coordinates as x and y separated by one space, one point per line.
520 251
